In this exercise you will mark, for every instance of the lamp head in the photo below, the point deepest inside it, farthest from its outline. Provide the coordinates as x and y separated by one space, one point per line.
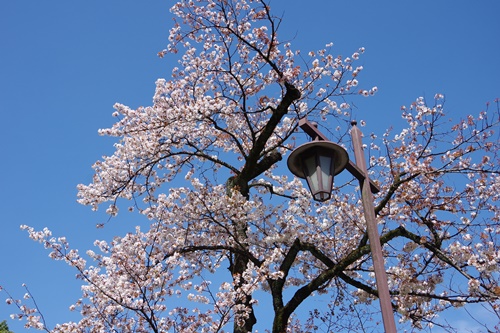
318 162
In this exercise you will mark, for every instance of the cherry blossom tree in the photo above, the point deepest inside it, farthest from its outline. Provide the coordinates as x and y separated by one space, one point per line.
225 225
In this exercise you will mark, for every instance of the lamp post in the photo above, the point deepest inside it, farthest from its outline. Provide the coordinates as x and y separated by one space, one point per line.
318 162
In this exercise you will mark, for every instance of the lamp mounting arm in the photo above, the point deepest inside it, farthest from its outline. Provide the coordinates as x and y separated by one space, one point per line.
311 130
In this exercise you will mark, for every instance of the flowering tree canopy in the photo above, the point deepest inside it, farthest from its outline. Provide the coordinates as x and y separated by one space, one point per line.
226 225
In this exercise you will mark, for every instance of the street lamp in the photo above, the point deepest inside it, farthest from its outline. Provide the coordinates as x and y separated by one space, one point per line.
318 162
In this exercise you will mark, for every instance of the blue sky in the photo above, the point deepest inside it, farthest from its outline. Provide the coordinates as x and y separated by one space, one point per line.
63 64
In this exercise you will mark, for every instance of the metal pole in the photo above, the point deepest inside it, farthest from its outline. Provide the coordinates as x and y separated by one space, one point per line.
373 235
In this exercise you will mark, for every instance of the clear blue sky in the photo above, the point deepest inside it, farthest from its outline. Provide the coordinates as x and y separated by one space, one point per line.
63 64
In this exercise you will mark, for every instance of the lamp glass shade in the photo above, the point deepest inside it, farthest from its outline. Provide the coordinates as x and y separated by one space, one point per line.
318 170
326 167
310 171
